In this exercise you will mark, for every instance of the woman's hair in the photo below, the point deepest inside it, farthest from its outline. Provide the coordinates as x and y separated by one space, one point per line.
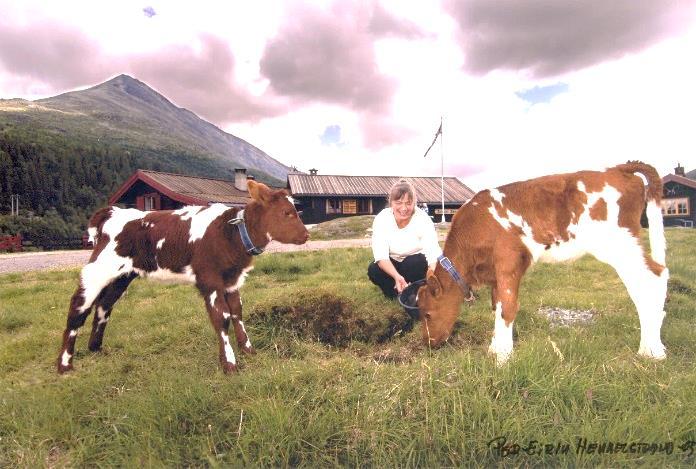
401 187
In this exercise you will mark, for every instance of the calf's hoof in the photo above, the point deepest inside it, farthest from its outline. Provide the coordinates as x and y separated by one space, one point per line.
229 368
248 350
656 352
61 368
94 347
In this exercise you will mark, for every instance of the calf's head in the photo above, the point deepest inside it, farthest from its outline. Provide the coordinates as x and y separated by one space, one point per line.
438 309
277 214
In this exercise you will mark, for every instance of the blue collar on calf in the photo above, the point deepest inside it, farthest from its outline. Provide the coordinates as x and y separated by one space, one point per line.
244 234
449 267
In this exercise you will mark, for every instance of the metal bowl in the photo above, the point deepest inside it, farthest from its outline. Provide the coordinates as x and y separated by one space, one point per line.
409 298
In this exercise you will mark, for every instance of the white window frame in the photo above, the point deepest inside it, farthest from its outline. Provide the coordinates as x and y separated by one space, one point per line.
671 207
149 202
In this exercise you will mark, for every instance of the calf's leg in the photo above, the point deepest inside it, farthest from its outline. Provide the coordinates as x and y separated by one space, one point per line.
94 278
646 283
234 303
220 319
505 306
77 315
103 306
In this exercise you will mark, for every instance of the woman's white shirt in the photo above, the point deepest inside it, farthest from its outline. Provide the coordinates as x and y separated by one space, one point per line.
419 236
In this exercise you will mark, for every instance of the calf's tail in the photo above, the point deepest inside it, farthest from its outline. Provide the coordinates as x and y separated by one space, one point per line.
653 209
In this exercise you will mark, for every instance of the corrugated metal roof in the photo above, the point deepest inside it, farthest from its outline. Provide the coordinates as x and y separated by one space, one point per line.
428 189
208 189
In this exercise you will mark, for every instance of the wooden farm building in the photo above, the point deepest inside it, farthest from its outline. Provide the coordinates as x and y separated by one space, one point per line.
679 199
324 197
319 197
152 190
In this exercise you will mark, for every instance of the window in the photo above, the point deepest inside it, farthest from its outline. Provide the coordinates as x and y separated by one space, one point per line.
675 207
333 206
149 202
365 206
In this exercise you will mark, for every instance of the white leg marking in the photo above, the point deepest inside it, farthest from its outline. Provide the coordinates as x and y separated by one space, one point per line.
101 315
65 359
229 353
248 342
73 333
501 344
651 317
212 298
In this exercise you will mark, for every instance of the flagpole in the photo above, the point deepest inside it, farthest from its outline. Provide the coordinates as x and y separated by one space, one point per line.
442 170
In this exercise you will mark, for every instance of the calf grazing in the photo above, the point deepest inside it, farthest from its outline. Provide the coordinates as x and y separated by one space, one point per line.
499 233
201 245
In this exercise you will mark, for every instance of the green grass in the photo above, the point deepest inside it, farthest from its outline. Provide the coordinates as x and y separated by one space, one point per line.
368 394
359 226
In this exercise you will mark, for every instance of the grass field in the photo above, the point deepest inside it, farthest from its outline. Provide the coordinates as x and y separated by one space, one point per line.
338 382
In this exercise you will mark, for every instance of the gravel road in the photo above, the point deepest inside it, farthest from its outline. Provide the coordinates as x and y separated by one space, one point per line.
23 262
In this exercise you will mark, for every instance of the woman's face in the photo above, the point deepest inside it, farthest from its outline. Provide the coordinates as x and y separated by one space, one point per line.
402 208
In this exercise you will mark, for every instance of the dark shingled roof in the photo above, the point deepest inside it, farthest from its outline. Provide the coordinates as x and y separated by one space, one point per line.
208 189
428 189
187 189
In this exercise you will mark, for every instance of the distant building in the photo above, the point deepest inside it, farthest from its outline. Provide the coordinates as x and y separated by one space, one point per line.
322 198
152 190
678 199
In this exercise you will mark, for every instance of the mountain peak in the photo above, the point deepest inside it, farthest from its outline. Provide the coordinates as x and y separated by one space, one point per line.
125 84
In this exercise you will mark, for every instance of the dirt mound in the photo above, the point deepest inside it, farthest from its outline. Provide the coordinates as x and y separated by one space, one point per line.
329 318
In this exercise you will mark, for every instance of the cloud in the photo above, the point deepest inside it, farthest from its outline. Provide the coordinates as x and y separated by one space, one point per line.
328 56
542 94
202 79
149 12
50 54
380 131
384 24
551 37
199 77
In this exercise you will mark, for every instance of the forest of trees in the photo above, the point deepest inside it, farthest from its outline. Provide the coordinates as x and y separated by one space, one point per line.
61 181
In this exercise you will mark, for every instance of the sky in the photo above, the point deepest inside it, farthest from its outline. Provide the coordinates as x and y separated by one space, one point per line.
523 87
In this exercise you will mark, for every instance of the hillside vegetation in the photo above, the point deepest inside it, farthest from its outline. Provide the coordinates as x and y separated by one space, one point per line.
66 154
339 380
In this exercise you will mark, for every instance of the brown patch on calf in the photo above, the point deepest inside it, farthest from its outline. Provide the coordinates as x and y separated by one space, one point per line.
599 210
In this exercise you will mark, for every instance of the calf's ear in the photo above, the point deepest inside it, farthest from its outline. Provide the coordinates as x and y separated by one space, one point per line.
434 286
259 191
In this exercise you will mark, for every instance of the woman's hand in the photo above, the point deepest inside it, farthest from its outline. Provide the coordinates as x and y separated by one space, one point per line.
400 283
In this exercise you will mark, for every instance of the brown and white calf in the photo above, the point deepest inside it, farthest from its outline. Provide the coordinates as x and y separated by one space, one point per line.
201 245
499 233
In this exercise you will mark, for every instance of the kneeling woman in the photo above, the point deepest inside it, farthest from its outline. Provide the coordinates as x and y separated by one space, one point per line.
404 242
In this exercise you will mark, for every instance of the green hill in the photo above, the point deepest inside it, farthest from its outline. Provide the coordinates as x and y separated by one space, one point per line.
66 154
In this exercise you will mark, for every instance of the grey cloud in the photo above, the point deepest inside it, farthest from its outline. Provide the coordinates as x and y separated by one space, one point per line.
328 56
324 56
551 37
50 54
204 82
149 12
382 23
